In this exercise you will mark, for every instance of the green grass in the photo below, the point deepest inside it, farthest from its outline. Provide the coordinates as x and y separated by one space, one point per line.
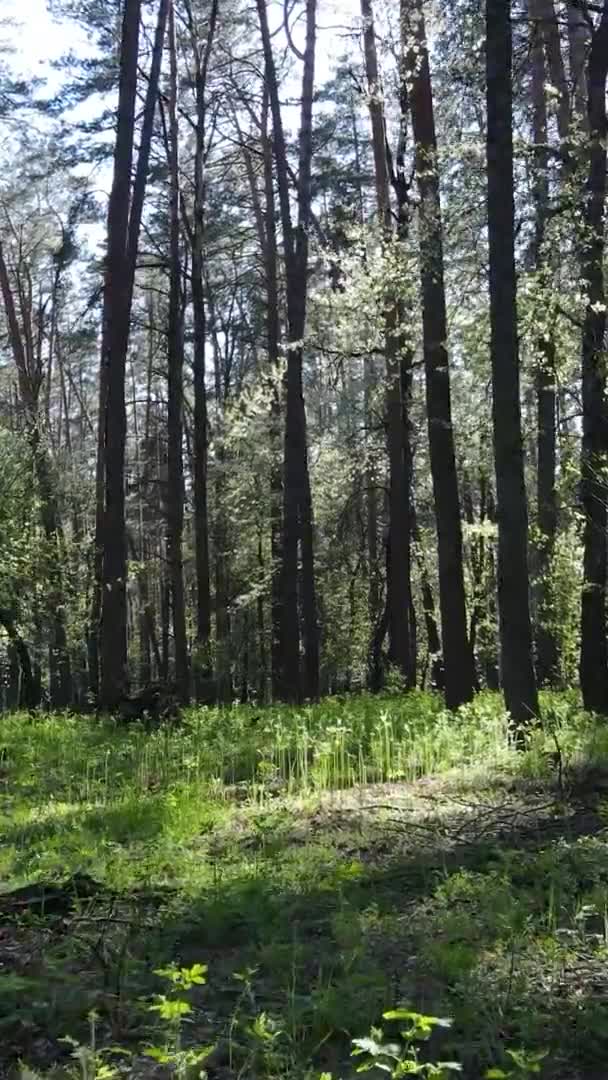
357 854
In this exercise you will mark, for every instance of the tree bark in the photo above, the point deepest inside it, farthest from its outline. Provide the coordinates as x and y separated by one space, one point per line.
594 489
124 223
519 682
202 57
175 395
273 333
457 658
115 333
297 503
399 527
223 657
300 289
547 660
546 29
578 45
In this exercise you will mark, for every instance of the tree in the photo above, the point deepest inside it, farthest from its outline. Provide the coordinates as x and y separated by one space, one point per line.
175 369
123 227
457 656
545 39
594 489
399 529
297 502
517 669
201 54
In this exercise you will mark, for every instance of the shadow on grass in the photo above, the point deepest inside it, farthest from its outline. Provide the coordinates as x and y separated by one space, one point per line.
504 934
503 929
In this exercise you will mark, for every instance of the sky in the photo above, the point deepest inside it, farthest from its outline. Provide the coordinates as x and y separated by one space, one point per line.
37 38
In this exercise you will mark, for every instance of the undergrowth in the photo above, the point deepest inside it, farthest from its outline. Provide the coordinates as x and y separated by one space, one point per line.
342 859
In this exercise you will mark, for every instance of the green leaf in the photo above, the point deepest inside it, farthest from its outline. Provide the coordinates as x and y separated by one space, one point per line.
157 1054
171 1010
417 1018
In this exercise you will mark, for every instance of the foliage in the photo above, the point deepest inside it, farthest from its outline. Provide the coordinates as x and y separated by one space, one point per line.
18 535
402 1058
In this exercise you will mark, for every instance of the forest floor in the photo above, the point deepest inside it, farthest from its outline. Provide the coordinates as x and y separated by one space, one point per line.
326 864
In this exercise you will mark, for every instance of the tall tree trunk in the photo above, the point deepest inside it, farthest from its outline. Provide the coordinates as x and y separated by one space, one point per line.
262 681
398 569
476 551
200 482
370 384
519 682
457 658
273 333
297 503
124 223
175 369
594 489
115 333
371 509
547 661
223 666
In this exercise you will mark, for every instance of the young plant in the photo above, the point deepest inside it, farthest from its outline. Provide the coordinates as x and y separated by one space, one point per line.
525 1064
402 1058
93 1063
173 1009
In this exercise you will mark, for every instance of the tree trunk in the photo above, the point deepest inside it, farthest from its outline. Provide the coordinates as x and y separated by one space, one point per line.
13 678
297 503
262 681
547 661
115 333
175 369
430 620
519 682
594 489
398 544
124 223
165 621
298 288
29 695
457 659
223 666
200 473
273 331
545 30
578 42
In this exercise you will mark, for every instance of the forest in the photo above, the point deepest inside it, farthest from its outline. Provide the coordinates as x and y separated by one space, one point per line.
303 539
